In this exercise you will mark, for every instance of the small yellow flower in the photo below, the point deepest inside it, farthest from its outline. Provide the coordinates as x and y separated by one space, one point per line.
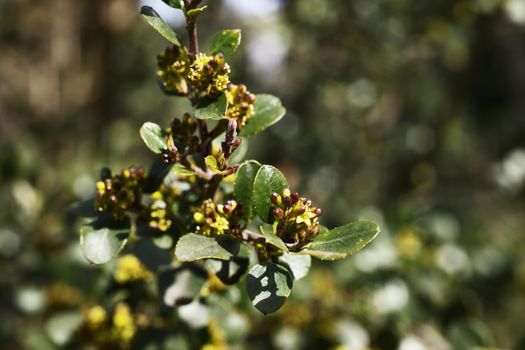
130 269
221 224
123 324
240 104
95 316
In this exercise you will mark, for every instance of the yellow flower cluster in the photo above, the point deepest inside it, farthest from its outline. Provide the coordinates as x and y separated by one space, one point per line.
209 74
160 208
123 323
240 103
106 332
95 316
120 192
172 68
296 219
130 269
206 75
216 220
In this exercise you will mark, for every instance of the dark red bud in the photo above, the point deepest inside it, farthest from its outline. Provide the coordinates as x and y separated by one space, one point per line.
287 200
278 212
295 197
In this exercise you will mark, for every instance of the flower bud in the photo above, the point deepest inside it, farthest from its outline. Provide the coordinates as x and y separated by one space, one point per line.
278 213
276 199
287 200
300 209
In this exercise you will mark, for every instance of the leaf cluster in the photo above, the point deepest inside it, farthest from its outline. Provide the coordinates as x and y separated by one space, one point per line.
217 216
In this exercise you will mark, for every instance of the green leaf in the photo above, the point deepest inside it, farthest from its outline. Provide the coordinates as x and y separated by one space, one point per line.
229 272
180 286
268 180
342 241
226 42
297 263
243 187
192 247
154 137
154 20
156 174
268 285
268 111
215 110
102 245
211 163
181 170
61 327
197 12
178 4
271 238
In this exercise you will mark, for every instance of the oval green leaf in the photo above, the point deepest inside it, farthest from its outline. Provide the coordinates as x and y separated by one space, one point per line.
154 137
62 326
102 245
226 42
154 20
215 110
268 285
243 187
197 12
271 238
231 271
180 286
192 247
342 241
297 263
178 4
268 180
268 111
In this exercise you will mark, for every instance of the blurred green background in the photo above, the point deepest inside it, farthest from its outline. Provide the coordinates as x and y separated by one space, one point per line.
410 113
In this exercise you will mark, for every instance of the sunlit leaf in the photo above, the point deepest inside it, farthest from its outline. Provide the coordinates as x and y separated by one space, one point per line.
342 241
243 188
181 285
192 247
298 264
267 180
154 20
215 110
268 285
271 238
197 12
178 4
229 272
154 137
60 327
268 111
101 245
226 42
